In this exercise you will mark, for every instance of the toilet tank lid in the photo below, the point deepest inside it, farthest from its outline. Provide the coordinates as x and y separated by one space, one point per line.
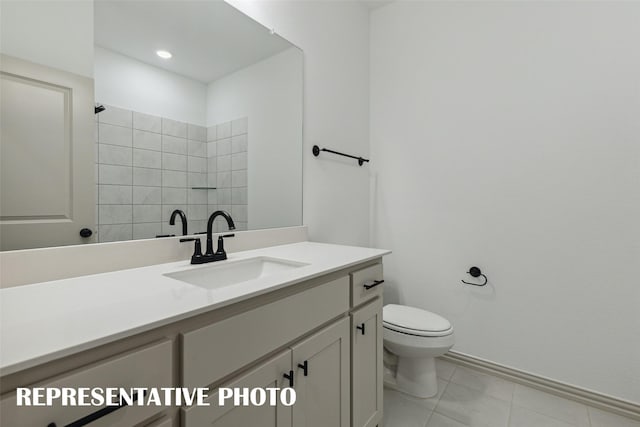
414 318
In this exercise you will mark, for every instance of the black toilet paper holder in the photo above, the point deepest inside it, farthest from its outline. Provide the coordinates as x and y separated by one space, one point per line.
476 272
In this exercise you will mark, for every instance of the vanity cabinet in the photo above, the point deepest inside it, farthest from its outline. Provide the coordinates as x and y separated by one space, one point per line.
325 333
366 368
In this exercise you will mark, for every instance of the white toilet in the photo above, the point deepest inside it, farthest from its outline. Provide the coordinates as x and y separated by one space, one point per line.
412 339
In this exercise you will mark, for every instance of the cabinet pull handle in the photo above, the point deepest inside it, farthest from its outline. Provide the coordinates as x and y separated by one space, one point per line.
289 377
305 367
361 327
373 284
96 415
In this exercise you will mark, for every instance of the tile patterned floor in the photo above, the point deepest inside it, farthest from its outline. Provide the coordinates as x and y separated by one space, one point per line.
468 398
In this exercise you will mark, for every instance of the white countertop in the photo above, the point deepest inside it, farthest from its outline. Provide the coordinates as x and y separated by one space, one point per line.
45 321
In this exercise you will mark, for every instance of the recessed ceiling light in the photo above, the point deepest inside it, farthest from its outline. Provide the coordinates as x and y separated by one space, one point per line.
164 54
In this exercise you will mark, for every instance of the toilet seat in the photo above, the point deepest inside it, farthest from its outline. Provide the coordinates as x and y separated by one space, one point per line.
414 321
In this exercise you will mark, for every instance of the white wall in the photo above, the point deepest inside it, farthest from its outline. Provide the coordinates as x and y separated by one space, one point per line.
334 38
58 34
131 84
269 93
506 135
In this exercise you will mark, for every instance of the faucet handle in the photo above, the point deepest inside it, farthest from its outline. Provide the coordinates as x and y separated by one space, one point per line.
220 251
196 258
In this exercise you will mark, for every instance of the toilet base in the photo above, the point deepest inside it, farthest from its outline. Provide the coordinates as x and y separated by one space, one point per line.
414 376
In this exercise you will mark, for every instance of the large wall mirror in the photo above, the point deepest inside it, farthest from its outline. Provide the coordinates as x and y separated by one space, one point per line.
114 114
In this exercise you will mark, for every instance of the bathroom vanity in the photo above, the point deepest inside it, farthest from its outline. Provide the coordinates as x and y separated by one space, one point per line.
306 315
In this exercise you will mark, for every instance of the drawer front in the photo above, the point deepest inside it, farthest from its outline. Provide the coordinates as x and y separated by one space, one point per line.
217 350
366 277
150 366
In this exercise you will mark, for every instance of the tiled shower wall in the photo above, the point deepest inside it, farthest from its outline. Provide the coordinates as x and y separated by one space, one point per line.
146 168
227 169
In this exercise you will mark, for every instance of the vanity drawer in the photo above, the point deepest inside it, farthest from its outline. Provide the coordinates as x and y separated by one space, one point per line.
361 284
150 366
217 350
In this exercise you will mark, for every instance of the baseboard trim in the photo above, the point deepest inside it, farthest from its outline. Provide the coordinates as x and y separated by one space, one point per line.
588 397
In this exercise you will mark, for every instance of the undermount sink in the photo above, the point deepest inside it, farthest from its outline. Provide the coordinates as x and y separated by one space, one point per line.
227 273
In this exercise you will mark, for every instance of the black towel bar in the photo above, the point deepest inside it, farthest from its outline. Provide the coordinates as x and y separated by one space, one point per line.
317 150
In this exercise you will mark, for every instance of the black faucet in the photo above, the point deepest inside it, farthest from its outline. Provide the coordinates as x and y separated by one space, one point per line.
183 217
209 255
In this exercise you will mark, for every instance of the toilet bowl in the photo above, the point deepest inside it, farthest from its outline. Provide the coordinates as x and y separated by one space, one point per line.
412 339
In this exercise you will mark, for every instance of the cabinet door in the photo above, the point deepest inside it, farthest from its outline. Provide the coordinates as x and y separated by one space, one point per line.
268 374
366 368
323 393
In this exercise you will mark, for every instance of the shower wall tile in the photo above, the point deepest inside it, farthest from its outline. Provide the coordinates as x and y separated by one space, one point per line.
212 133
174 128
197 212
147 195
196 148
114 135
114 194
174 196
114 233
212 198
147 158
212 166
238 161
224 130
146 167
196 164
174 179
196 179
147 213
147 177
114 155
224 196
239 178
197 133
198 226
224 163
212 149
147 140
239 144
197 197
147 230
116 116
147 122
212 180
176 162
109 174
115 214
172 144
223 180
223 147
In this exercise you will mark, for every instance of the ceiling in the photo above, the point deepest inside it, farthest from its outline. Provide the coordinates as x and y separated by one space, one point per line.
208 40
